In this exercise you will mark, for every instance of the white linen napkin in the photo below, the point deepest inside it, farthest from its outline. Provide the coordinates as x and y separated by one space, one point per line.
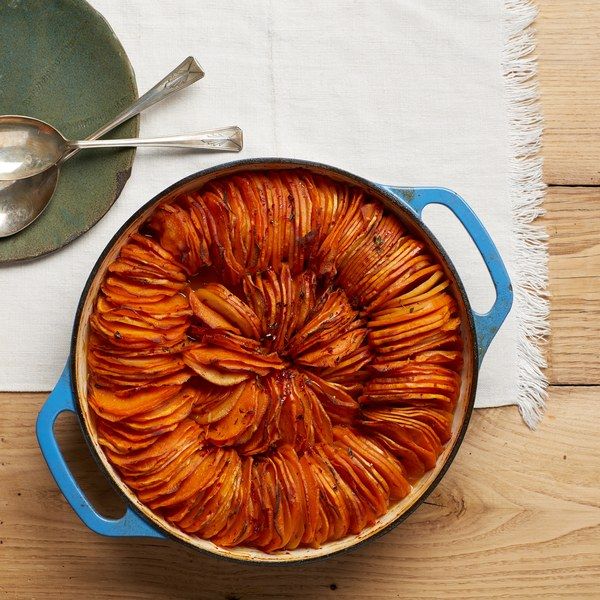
407 92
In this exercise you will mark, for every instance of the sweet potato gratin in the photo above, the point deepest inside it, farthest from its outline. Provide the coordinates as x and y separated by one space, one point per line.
273 361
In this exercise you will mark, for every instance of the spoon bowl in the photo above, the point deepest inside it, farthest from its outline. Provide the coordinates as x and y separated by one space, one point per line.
28 146
24 200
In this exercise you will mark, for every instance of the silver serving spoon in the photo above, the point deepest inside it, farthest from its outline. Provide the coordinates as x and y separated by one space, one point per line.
22 201
29 146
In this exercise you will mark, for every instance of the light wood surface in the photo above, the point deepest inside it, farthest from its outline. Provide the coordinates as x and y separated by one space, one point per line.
517 515
569 75
573 224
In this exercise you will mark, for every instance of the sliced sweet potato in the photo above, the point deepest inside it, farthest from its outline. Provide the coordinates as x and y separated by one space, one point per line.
235 314
274 359
117 405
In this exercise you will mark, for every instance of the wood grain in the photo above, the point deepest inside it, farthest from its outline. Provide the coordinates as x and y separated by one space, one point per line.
573 225
517 515
568 46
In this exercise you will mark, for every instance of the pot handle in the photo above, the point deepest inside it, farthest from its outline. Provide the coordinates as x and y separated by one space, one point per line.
488 324
60 400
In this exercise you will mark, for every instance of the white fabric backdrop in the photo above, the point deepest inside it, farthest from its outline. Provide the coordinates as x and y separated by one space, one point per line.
405 92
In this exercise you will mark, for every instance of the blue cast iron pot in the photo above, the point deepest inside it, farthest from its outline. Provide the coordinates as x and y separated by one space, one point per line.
478 331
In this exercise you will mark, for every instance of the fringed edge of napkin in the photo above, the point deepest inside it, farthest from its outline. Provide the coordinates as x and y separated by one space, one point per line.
530 276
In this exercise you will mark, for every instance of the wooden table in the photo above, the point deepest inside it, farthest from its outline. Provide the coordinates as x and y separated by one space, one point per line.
516 516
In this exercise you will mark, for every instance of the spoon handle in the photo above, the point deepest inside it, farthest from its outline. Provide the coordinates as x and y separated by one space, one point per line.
179 78
227 139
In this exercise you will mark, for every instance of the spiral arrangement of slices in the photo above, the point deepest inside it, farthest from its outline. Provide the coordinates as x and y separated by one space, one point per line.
273 361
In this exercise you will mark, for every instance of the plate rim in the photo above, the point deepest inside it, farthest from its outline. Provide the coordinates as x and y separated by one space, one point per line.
121 176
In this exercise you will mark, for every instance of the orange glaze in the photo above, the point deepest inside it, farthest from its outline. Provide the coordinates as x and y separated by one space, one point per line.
274 361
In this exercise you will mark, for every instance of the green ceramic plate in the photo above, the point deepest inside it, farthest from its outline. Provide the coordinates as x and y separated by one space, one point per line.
61 62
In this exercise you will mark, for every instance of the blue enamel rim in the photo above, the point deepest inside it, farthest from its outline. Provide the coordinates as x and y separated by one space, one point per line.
409 203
